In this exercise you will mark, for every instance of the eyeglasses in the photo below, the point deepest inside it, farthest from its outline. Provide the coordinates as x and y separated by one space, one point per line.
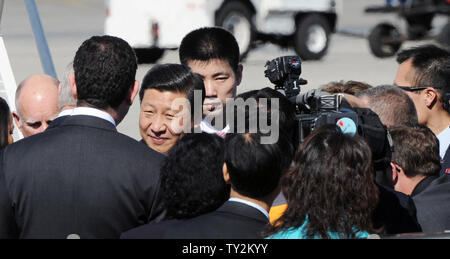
412 89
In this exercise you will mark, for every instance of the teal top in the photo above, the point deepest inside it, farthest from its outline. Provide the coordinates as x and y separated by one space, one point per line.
300 233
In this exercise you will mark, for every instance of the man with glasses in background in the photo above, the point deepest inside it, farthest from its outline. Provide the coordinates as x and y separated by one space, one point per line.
424 73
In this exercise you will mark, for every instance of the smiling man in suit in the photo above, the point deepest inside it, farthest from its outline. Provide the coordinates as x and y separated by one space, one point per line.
81 178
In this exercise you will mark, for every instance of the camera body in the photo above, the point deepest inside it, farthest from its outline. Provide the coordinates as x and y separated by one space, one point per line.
284 73
327 112
312 111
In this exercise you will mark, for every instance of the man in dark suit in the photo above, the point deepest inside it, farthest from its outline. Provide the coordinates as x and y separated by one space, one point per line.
254 170
415 162
415 172
81 178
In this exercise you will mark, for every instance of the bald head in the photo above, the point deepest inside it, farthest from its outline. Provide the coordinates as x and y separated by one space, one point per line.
36 104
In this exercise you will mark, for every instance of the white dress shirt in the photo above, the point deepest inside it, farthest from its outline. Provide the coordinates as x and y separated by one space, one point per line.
208 128
67 112
93 112
444 141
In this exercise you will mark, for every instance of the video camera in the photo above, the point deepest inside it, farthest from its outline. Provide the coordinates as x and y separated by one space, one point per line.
314 108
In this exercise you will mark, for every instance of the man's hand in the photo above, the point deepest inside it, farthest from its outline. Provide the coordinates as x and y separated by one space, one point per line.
354 101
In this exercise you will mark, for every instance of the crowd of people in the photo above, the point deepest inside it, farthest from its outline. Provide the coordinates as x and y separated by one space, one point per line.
209 168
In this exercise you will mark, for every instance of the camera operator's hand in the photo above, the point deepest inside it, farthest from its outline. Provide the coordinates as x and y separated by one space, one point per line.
354 101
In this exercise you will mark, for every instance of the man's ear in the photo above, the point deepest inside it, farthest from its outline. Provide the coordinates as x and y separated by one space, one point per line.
73 86
396 170
226 175
431 97
239 74
132 93
17 120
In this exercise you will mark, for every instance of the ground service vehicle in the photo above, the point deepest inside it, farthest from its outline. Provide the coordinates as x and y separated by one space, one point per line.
152 26
386 39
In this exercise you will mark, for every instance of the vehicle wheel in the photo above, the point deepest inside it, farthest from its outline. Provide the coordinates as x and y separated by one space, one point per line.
444 35
148 55
384 40
312 37
238 19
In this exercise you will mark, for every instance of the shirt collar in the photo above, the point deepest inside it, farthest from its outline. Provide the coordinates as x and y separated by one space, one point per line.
67 112
94 112
208 128
251 204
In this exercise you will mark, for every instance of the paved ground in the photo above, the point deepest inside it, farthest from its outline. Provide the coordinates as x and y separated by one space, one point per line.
68 23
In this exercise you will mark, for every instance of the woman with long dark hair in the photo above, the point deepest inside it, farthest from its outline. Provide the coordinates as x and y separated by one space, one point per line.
330 192
6 124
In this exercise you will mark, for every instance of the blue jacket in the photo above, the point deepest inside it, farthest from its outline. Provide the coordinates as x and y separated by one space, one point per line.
300 233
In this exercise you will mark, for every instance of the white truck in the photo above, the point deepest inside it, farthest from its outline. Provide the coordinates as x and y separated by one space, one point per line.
152 26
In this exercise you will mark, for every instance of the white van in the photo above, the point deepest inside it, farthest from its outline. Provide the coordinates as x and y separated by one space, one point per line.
156 25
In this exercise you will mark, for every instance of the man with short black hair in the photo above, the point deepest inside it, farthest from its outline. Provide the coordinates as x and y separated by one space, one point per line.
213 53
286 125
424 73
81 178
167 92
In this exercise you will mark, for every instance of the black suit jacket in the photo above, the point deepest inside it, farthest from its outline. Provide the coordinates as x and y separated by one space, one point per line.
79 177
433 205
395 212
56 122
233 220
150 231
446 163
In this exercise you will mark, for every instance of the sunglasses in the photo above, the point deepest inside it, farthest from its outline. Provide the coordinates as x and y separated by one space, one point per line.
412 89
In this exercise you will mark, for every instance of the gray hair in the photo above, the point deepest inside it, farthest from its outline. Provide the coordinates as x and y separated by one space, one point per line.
391 104
65 97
